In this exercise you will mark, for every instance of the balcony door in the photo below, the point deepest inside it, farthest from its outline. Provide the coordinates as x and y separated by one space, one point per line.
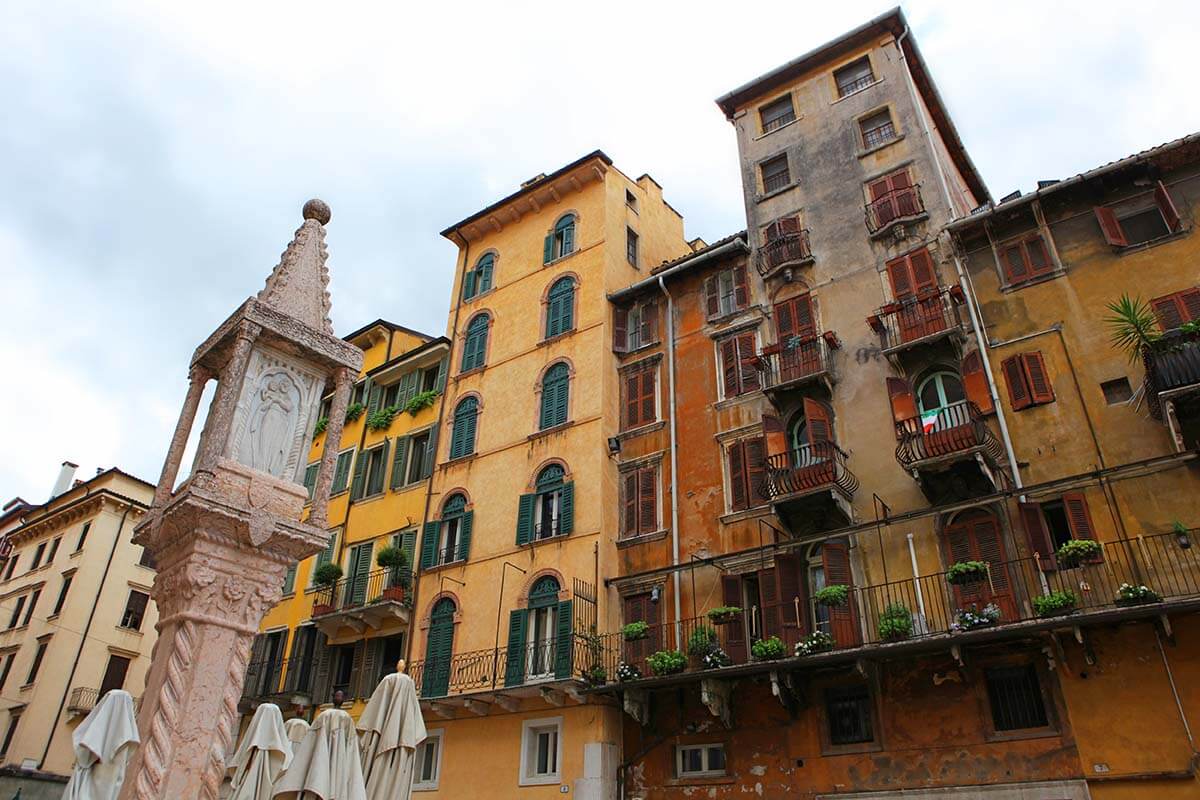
359 570
541 629
795 333
944 417
974 535
914 287
810 444
439 646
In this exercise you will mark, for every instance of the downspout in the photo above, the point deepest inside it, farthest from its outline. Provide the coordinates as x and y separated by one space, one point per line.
963 279
83 637
670 316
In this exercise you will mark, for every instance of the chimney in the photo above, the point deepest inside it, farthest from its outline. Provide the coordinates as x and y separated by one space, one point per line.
65 474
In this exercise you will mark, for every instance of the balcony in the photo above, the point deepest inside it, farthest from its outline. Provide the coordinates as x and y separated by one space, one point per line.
800 363
811 487
1173 385
893 208
364 602
83 699
953 455
918 322
789 249
273 679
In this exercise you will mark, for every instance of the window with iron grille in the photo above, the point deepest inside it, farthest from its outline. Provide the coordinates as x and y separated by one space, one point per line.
848 711
877 129
854 76
777 113
1015 696
775 173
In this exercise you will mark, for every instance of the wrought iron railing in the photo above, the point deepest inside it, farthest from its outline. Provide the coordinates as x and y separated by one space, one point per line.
794 362
812 467
873 137
776 181
897 204
359 590
1174 361
268 678
787 248
779 122
913 320
849 87
957 428
488 670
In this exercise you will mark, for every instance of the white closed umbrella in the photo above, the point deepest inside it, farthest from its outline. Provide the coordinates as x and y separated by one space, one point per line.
262 755
296 729
325 764
391 727
103 744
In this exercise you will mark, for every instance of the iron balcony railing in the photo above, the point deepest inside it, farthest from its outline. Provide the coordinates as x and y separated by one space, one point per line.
359 590
779 122
503 667
895 205
787 248
914 320
795 362
957 428
1174 361
809 468
269 678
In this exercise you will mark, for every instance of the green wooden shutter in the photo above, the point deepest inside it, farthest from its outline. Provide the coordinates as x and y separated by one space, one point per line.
322 674
430 452
566 511
408 546
456 435
378 468
525 518
398 462
568 239
439 650
514 670
326 555
469 284
310 478
563 640
429 543
360 476
560 400
408 388
360 566
464 535
289 579
341 474
374 394
441 375
548 249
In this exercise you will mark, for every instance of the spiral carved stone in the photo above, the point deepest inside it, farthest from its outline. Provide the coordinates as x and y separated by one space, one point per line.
158 749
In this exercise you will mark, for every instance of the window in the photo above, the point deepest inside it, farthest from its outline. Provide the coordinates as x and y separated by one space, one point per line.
462 432
541 749
12 565
358 396
135 610
114 674
479 280
848 713
631 246
550 510
431 378
1015 697
53 550
1117 391
561 241
9 658
555 387
358 567
776 113
38 656
341 471
326 407
147 559
560 307
420 459
475 343
747 473
87 526
726 292
891 197
342 671
448 539
738 374
1025 259
62 594
854 76
639 501
1052 523
635 327
16 614
541 629
640 398
289 580
310 478
631 200
13 718
1145 225
325 556
877 129
369 473
1174 310
699 760
37 556
1028 382
941 391
428 761
33 600
775 173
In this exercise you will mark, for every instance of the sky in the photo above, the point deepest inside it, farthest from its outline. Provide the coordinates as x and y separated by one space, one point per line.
154 157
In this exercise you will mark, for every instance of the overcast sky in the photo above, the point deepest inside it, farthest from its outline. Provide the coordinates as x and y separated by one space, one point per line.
154 156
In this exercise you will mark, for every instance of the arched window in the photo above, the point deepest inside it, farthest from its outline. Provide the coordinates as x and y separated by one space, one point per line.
561 242
475 343
439 648
542 626
555 387
560 308
941 401
448 539
462 432
540 636
810 433
550 510
479 280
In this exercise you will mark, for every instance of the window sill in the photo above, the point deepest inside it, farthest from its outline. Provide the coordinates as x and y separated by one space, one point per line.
641 538
558 337
640 348
744 514
857 92
408 487
370 498
134 631
76 553
1150 243
439 567
468 372
546 780
17 628
1028 733
872 150
544 432
782 190
146 566
730 402
474 297
633 433
1043 278
850 749
556 261
775 130
424 787
730 320
702 780
26 687
53 616
460 460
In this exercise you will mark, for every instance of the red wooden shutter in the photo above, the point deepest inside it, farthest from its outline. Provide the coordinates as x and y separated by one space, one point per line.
904 405
923 273
620 329
843 619
785 322
897 270
789 226
768 594
1110 227
633 399
1014 376
879 188
741 291
1078 516
1012 258
1039 259
1168 310
900 179
730 366
806 325
1039 537
712 302
650 323
1166 206
771 232
1040 388
745 350
975 382
754 451
738 496
735 632
774 435
1190 300
960 548
647 501
649 413
629 512
793 608
820 422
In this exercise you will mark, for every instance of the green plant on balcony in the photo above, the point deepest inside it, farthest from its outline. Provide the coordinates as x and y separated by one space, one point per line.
1132 326
381 419
1055 603
396 560
1077 551
768 649
895 623
964 573
667 662
815 642
596 675
716 658
1130 595
702 641
421 401
635 631
834 596
723 615
354 411
628 672
327 574
320 427
966 619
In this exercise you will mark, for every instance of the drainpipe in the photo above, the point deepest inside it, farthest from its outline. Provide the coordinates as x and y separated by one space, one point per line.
963 279
670 316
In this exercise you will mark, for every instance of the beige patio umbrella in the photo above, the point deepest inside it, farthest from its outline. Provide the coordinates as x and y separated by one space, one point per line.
262 755
296 729
391 727
325 764
103 744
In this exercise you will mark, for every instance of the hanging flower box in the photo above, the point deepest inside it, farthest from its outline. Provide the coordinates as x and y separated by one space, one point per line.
394 594
966 573
1078 551
320 609
724 615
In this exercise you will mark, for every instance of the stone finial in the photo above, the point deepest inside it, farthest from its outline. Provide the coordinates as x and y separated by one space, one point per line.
318 210
298 286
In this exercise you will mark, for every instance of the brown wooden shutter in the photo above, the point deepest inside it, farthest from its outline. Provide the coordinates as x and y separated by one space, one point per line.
1012 258
923 273
1177 308
771 232
756 470
1110 227
730 366
1041 390
775 436
629 512
819 419
1166 206
802 313
975 382
648 412
785 322
1039 537
793 602
904 405
712 300
738 495
1078 516
768 598
745 350
650 323
879 188
789 226
735 632
633 399
897 270
1190 300
741 291
960 548
843 620
1039 259
1014 376
620 329
647 501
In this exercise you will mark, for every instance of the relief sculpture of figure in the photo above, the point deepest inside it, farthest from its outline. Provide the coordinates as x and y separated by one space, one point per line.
272 425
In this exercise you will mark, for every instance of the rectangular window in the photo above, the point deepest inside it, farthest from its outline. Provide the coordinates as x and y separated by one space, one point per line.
114 674
1015 697
1028 382
359 394
13 718
1117 391
37 556
289 579
310 478
429 378
631 200
1141 226
341 472
541 751
775 173
736 364
343 670
62 594
635 326
325 556
1025 259
12 565
854 76
16 614
38 656
9 658
147 559
376 470
428 760
326 406
848 711
640 398
890 198
631 246
639 501
877 129
135 610
391 395
87 526
53 550
699 760
419 459
33 600
726 292
1177 309
777 113
747 474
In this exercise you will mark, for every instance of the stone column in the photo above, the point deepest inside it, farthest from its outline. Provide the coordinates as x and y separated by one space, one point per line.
198 377
318 515
229 386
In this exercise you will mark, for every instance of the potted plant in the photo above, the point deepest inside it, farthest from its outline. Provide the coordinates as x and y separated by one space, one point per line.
815 642
834 595
895 623
596 675
716 658
702 641
394 560
421 401
1055 603
768 649
966 619
325 576
723 615
628 672
354 411
382 418
965 573
1077 551
667 662
635 631
320 427
1130 595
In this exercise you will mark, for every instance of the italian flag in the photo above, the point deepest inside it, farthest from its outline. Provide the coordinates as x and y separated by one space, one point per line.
928 420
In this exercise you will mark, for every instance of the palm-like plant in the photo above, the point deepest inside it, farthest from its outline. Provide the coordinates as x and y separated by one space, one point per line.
1132 326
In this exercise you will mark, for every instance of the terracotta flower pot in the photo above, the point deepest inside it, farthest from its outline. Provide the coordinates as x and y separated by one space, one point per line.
321 608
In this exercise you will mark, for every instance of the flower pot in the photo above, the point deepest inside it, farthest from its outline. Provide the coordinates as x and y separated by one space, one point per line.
394 594
1136 601
723 619
1058 612
970 579
320 609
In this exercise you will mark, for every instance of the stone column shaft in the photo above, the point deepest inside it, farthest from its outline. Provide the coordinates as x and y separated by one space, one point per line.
229 385
197 379
319 514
